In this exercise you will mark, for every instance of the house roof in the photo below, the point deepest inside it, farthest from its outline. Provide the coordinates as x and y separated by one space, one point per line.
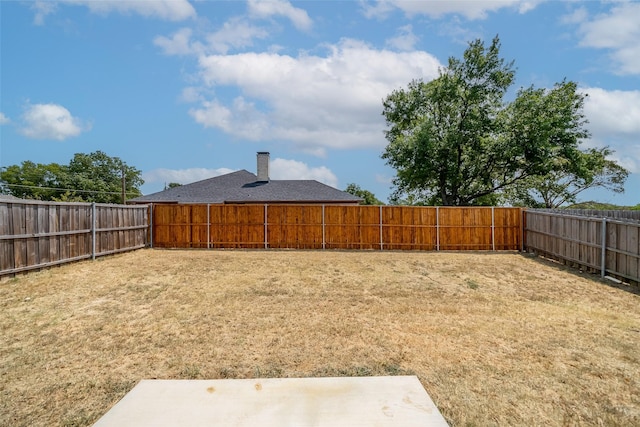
243 187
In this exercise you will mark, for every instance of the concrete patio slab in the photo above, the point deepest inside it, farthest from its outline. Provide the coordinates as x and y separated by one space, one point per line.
346 401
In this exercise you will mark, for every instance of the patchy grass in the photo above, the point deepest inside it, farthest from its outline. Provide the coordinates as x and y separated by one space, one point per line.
496 339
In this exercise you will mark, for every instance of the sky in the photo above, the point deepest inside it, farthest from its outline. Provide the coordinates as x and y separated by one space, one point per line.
186 90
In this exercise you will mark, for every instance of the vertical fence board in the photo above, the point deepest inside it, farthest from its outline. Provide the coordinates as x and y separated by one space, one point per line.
19 246
7 258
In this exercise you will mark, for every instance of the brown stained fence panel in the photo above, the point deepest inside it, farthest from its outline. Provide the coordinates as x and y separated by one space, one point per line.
199 217
425 232
352 227
466 228
295 226
508 230
393 228
172 226
368 218
337 227
409 228
235 226
252 230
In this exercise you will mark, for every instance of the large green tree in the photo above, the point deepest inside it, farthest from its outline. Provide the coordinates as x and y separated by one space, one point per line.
368 198
97 177
94 177
456 141
561 186
31 180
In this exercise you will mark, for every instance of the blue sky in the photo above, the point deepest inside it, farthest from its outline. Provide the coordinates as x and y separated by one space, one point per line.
185 90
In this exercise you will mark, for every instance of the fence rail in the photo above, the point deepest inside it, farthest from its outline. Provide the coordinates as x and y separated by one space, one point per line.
622 215
36 234
336 227
601 245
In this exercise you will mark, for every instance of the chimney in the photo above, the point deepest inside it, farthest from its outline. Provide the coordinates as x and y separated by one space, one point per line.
263 166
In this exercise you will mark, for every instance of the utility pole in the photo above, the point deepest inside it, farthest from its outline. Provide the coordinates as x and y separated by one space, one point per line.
124 188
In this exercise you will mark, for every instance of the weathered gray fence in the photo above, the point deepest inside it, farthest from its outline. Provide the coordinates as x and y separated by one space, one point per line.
609 246
36 234
624 215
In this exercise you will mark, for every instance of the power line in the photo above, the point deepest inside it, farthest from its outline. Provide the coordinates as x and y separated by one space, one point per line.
63 189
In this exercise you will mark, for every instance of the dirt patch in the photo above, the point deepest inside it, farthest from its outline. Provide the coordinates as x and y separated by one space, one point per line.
496 339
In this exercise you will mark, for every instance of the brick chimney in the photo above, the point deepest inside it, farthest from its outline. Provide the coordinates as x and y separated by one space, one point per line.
263 166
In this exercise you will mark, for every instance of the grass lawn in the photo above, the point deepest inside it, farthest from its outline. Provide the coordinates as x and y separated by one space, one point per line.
496 339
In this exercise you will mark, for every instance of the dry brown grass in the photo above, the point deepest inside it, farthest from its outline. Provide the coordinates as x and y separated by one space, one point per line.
496 339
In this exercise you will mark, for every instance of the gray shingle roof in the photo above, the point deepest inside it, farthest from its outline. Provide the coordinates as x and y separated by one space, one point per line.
242 187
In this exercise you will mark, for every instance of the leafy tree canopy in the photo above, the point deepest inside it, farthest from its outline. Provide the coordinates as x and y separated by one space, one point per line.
456 141
94 177
368 198
562 185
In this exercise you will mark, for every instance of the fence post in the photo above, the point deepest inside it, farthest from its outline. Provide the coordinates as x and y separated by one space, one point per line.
323 236
603 255
266 241
437 228
93 230
493 228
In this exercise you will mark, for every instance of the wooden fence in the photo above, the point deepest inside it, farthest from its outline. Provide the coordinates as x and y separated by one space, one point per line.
624 215
335 227
608 246
35 234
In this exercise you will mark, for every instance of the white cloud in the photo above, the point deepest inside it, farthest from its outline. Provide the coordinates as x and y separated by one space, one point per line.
268 8
314 102
470 9
383 179
170 10
293 169
235 33
42 9
4 120
405 40
179 43
578 16
50 121
242 119
617 31
614 120
181 176
614 111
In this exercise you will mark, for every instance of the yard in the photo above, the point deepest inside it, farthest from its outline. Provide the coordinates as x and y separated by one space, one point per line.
495 338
